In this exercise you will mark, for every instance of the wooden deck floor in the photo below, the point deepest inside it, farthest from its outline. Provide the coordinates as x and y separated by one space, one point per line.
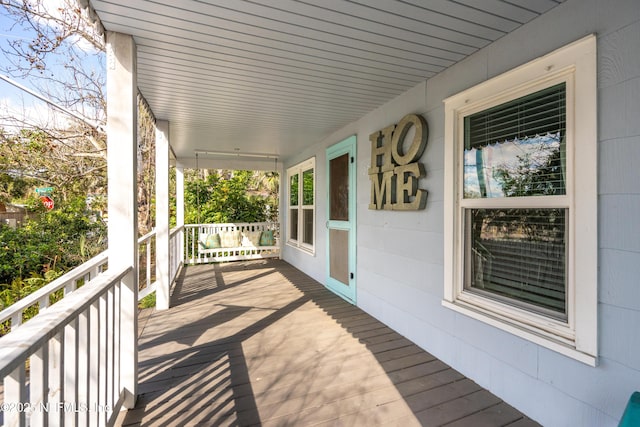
260 343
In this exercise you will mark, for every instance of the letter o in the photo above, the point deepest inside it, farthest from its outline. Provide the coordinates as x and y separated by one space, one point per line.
418 144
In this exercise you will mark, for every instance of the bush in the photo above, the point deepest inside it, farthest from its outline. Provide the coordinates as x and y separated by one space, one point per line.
46 247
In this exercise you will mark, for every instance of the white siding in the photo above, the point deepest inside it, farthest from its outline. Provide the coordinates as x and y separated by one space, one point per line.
400 254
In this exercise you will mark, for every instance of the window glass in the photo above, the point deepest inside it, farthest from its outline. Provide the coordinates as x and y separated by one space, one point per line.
293 189
519 254
518 148
307 217
339 188
307 187
293 224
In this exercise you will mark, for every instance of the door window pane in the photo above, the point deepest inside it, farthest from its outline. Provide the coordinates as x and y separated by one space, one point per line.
339 255
339 188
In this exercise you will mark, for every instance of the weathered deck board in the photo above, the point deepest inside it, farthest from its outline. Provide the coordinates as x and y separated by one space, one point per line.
260 343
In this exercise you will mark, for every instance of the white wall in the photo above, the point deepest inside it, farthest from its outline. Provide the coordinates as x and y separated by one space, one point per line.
400 254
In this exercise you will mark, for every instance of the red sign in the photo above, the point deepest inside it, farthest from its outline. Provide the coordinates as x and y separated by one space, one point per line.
47 202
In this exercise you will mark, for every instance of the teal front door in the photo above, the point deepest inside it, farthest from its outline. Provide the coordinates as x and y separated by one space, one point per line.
341 223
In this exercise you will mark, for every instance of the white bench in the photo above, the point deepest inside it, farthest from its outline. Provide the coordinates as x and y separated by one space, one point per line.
237 241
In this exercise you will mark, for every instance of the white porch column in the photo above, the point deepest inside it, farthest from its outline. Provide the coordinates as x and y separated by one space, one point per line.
180 206
179 196
163 281
122 158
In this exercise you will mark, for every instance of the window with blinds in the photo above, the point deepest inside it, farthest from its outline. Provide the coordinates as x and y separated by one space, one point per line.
517 255
521 201
518 148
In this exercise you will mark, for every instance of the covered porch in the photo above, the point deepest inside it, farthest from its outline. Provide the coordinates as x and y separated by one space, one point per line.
261 343
284 85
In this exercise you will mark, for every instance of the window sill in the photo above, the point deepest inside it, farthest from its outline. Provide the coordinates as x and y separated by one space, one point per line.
303 249
521 330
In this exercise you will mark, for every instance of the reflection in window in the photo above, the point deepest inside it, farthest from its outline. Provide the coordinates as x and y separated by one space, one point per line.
517 149
307 236
519 254
529 167
293 224
293 190
307 187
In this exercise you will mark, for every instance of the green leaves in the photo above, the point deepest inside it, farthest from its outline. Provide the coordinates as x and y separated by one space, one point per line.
54 241
228 196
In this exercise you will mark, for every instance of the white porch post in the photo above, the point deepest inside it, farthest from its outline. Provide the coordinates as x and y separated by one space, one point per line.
180 205
122 127
179 196
162 215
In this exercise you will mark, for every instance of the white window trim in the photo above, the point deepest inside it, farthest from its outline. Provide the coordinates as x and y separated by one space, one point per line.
298 170
576 64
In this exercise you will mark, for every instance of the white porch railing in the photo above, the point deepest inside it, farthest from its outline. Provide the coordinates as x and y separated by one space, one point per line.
41 299
63 366
176 252
146 260
237 248
147 283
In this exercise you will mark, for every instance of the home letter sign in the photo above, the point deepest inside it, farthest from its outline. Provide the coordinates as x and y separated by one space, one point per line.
394 173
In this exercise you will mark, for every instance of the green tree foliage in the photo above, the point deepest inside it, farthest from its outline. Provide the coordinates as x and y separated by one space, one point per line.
12 188
229 196
46 247
57 240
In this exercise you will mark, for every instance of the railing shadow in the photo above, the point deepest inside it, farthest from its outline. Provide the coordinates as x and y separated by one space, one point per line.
206 382
187 378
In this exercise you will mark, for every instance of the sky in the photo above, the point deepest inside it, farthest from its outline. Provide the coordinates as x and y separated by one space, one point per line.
10 95
14 101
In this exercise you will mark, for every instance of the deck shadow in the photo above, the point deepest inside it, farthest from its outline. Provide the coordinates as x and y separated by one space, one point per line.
261 343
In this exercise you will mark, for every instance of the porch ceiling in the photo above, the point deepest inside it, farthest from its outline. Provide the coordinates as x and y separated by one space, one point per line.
276 76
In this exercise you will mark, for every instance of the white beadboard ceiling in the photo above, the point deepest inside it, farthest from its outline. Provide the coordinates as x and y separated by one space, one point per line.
276 76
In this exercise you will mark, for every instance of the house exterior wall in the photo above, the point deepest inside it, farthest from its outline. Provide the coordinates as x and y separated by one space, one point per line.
400 254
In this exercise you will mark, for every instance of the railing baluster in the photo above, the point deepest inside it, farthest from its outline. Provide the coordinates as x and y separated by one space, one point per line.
94 361
148 278
43 303
83 368
194 242
15 395
102 396
16 319
39 386
110 346
69 287
56 372
117 319
70 376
